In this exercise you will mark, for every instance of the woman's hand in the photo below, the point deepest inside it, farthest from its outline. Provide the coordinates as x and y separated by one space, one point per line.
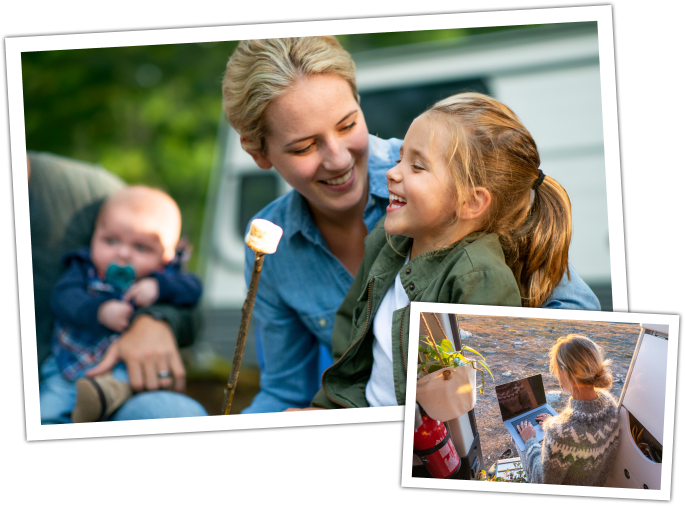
148 348
541 418
311 408
526 430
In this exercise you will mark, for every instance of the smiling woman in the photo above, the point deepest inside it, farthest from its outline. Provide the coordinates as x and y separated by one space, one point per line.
294 103
326 165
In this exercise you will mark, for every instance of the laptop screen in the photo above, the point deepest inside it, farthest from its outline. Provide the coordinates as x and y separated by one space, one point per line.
520 396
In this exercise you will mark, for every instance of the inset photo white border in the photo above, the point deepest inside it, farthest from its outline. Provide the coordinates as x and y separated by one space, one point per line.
672 321
16 45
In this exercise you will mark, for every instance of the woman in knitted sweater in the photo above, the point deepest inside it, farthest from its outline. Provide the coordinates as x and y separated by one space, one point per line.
580 443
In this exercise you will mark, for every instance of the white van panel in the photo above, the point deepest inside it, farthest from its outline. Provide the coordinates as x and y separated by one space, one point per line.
224 287
224 284
645 390
562 108
412 66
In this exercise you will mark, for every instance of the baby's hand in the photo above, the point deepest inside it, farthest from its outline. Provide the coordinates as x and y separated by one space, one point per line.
143 292
115 314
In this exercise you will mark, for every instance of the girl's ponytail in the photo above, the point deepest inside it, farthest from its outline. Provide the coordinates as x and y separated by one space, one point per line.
543 250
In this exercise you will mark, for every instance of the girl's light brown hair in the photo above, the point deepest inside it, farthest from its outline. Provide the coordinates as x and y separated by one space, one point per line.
261 70
582 360
492 149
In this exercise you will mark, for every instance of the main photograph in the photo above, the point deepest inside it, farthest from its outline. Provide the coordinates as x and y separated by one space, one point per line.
435 166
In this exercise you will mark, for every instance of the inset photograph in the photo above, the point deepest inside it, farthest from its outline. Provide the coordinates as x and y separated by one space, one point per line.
540 397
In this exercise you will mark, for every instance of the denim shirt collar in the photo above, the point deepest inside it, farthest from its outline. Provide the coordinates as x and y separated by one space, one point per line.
300 219
381 158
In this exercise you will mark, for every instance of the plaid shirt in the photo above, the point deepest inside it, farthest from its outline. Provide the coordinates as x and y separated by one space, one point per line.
73 356
77 349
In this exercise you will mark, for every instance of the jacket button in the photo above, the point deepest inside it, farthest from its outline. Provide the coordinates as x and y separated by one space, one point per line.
322 322
411 286
408 271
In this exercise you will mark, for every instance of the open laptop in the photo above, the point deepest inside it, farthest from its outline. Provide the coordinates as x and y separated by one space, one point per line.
521 400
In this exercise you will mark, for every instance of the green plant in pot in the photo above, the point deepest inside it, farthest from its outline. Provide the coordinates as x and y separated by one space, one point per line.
446 388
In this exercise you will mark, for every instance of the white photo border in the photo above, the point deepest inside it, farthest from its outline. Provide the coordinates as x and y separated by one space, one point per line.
14 46
548 314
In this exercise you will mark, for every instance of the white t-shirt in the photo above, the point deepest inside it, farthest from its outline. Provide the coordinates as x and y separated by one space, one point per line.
380 390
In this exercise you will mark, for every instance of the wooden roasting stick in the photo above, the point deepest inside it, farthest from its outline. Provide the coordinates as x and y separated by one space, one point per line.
263 239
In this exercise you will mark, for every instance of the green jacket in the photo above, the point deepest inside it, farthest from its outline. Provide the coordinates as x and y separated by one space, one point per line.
472 271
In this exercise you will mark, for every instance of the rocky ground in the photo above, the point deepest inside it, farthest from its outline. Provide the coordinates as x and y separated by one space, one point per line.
516 348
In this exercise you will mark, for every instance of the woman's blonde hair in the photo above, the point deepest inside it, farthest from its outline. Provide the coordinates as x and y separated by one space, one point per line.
263 69
582 360
489 147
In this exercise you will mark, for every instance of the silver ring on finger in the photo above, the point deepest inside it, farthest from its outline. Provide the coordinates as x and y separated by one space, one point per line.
164 374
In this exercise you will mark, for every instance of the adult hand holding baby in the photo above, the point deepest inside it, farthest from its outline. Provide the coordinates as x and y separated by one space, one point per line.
148 348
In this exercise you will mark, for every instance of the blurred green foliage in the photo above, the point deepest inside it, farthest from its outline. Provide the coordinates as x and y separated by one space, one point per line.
149 113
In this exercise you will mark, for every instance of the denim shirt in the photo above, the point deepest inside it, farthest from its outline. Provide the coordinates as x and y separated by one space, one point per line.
303 284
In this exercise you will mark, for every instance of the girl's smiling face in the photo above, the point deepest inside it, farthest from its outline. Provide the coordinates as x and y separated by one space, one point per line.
422 196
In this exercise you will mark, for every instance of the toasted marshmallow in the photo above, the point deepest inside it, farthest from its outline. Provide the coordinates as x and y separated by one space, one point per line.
263 236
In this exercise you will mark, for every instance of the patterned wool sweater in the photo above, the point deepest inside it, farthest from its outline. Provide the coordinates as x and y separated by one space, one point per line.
580 444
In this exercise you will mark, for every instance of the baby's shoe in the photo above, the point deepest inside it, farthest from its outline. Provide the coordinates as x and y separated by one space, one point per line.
99 397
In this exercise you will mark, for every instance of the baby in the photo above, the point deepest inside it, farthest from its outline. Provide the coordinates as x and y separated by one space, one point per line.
131 263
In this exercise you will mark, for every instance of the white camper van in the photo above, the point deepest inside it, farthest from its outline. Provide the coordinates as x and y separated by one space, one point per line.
548 74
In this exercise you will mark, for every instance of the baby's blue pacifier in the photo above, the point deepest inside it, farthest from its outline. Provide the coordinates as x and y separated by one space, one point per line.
120 277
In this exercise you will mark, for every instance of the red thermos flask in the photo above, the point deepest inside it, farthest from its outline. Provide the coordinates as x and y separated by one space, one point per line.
432 444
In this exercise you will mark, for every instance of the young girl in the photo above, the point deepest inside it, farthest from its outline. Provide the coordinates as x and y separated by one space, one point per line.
471 220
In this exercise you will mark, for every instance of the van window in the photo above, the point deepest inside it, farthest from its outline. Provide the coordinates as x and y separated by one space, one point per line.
256 192
389 112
